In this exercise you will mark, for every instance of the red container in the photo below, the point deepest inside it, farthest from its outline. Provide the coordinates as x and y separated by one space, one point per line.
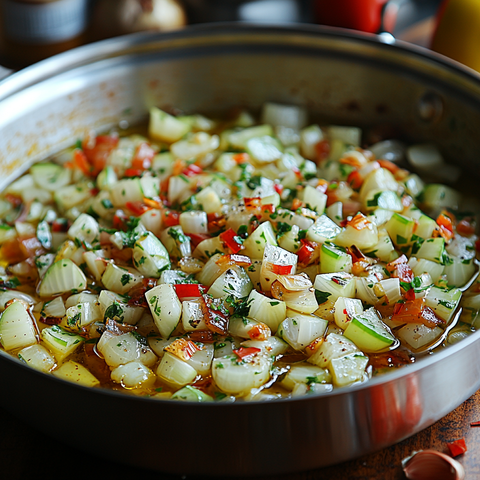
364 15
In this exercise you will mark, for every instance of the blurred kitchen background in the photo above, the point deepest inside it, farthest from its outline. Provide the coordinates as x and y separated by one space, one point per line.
31 30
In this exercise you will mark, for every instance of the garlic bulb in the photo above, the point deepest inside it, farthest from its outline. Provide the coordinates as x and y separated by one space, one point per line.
119 17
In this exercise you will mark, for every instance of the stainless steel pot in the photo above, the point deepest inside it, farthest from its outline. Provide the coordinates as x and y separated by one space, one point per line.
341 77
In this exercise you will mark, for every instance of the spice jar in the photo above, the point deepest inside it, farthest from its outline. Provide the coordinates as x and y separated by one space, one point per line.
36 29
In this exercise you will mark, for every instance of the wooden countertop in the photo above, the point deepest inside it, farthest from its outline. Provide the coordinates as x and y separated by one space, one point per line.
26 454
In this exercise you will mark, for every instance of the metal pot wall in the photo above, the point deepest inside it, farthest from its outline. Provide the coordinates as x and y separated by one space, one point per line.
341 77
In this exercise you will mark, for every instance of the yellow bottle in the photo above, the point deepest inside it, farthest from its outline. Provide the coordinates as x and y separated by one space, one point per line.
458 32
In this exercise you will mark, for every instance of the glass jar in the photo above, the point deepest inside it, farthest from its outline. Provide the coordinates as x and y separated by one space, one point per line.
36 29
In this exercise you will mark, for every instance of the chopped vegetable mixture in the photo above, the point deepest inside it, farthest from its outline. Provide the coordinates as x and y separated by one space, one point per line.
237 259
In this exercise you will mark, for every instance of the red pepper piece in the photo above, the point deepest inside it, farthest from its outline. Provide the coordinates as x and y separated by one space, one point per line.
306 252
142 159
231 240
133 172
242 353
170 218
188 290
458 447
137 208
282 269
192 170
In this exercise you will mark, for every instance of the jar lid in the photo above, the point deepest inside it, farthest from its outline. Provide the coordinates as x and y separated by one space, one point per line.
44 23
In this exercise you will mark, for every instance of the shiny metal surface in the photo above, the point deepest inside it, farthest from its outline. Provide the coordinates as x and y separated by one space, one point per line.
341 77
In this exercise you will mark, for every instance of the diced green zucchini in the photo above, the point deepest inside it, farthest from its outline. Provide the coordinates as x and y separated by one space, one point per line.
239 139
330 286
191 394
443 301
107 178
7 233
61 277
305 373
383 249
126 190
314 199
400 229
150 257
334 259
379 179
50 176
72 195
165 307
17 329
425 226
414 185
433 249
368 332
61 342
264 149
385 199
165 127
436 196
348 369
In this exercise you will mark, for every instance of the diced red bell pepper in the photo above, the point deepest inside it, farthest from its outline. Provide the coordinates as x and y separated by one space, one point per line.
241 158
252 203
188 290
192 170
137 208
82 162
97 151
231 240
465 228
296 204
355 180
278 188
242 353
322 150
388 165
60 225
458 447
170 218
196 238
142 159
119 220
133 172
306 252
282 269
